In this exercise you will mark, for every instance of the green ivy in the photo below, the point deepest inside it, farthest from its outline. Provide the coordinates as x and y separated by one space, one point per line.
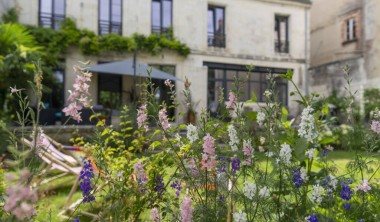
56 42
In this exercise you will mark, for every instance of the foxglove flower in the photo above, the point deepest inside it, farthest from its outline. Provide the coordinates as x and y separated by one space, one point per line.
307 127
163 119
231 100
86 174
375 126
142 116
234 140
240 216
208 156
192 133
186 210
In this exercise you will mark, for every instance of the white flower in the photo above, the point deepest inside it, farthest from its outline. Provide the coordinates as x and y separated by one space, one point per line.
333 181
260 118
262 140
285 154
317 194
364 186
310 153
192 133
234 140
307 127
178 137
267 93
249 190
303 174
264 192
240 216
269 154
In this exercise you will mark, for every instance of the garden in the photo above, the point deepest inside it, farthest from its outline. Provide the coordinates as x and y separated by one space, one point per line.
238 165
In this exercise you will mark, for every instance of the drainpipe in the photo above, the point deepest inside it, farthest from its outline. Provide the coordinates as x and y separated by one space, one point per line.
306 78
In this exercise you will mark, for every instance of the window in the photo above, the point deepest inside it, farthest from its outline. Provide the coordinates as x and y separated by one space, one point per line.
110 16
51 13
350 29
215 27
223 76
163 93
161 16
109 90
281 37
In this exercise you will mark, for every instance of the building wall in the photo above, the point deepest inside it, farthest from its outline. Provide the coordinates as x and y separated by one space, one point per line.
249 33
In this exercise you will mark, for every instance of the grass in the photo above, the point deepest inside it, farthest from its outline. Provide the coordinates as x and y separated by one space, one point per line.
52 203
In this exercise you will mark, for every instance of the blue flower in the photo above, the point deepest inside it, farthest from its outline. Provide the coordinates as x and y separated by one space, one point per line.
160 184
297 179
347 206
312 218
235 164
176 185
361 220
222 198
221 167
346 192
76 220
324 153
86 174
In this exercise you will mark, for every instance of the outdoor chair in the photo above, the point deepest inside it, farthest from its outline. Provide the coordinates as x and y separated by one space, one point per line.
49 152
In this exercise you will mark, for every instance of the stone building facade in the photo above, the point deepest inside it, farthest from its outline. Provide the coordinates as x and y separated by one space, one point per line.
224 36
344 33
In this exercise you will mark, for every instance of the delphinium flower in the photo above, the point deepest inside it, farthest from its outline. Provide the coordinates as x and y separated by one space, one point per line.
186 209
324 152
222 164
140 175
163 119
169 84
312 218
193 166
317 194
364 186
260 118
307 127
248 152
269 154
86 174
222 198
176 185
235 164
160 186
240 216
299 176
208 156
76 220
310 153
142 116
375 126
231 100
192 133
285 154
249 190
79 97
264 192
345 194
20 197
154 215
329 183
361 220
234 140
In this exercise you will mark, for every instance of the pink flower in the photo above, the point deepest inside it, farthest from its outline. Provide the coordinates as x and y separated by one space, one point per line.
208 156
15 90
142 116
248 152
186 210
79 97
193 166
140 172
231 100
163 119
364 186
169 83
375 126
155 215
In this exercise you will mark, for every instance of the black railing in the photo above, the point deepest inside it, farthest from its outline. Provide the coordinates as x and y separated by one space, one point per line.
49 20
216 40
281 46
106 27
160 30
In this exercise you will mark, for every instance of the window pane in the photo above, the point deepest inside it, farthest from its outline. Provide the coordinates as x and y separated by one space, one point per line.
59 7
255 76
116 10
219 74
210 24
46 6
167 14
156 16
219 20
104 8
283 29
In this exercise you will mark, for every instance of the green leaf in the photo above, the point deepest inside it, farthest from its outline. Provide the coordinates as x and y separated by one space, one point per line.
252 115
289 74
327 140
300 148
325 109
253 97
284 116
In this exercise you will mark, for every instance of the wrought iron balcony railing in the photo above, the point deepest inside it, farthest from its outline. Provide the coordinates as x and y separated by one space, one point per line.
216 40
281 46
49 20
106 27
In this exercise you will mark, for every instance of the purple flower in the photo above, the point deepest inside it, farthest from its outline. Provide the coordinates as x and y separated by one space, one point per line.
160 186
76 220
222 165
347 206
324 153
346 192
361 220
297 179
222 198
176 185
85 176
312 218
235 164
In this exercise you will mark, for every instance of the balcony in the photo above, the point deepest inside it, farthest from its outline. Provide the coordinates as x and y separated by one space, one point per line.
49 20
216 40
281 46
106 27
